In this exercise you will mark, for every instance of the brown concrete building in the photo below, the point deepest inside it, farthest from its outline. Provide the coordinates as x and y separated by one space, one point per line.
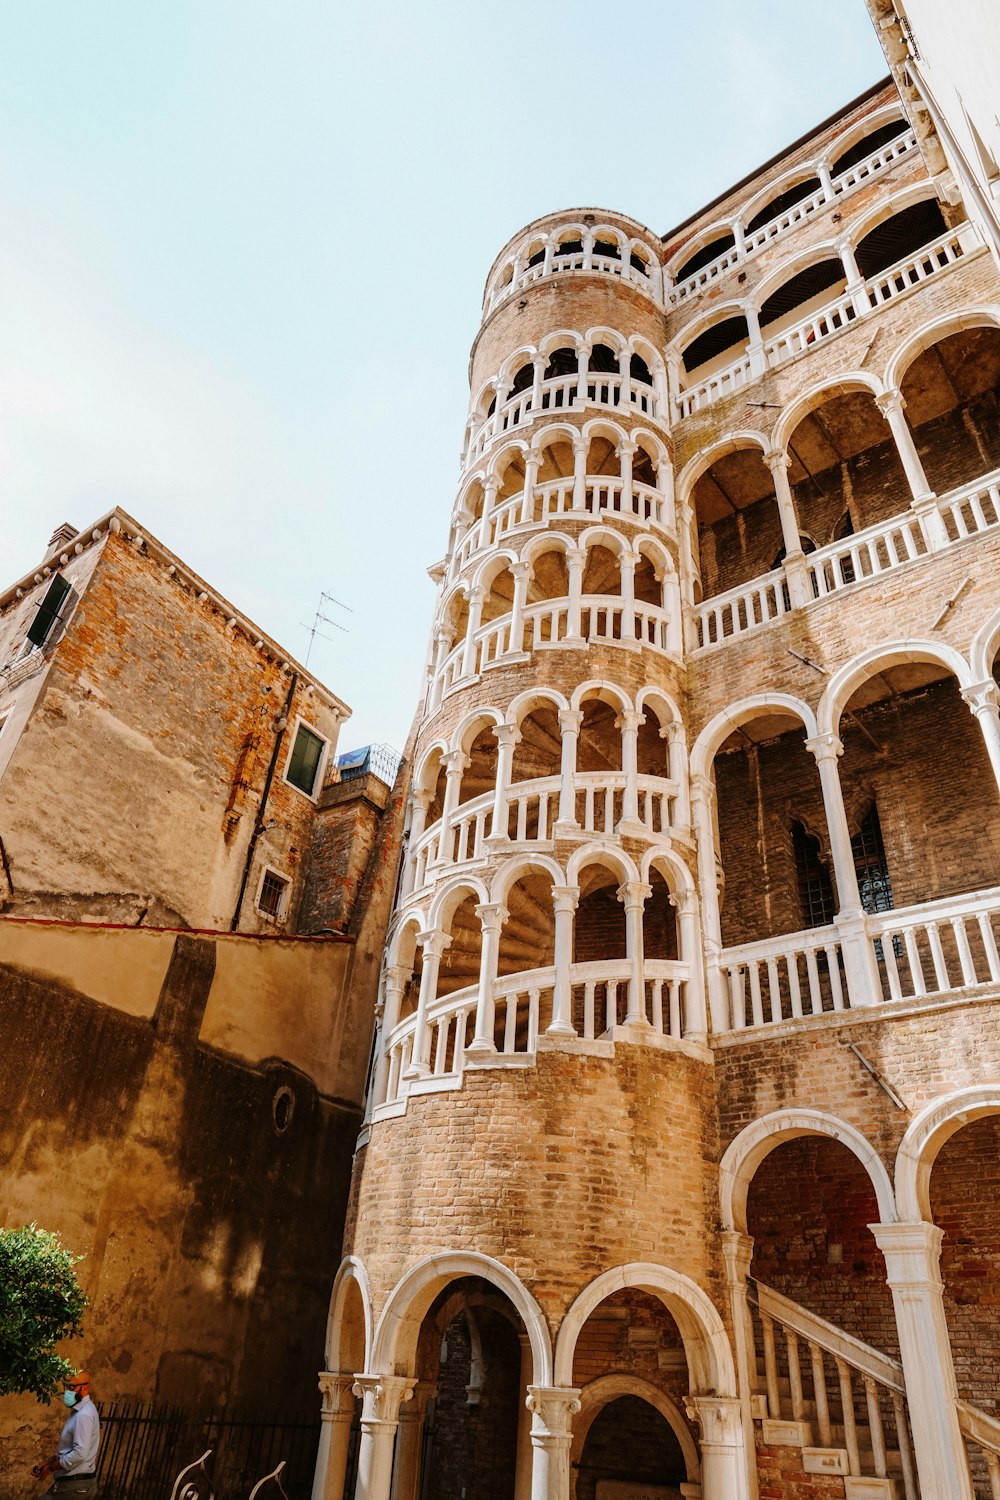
192 914
679 1173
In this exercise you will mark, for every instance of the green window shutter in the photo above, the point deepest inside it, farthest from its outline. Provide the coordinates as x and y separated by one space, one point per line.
48 610
304 763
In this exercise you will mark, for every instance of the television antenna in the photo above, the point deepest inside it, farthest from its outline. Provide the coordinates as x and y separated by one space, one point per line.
320 618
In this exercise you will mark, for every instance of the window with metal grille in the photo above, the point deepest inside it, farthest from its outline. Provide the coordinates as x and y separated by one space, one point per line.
871 865
271 897
304 761
48 611
815 885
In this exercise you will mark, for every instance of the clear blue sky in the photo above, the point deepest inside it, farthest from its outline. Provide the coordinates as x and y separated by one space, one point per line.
243 243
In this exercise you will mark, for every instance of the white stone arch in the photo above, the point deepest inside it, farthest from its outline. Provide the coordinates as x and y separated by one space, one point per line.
560 338
603 426
719 728
474 477
862 128
985 645
607 692
816 395
481 401
987 315
513 869
645 437
637 343
398 1328
705 320
650 546
450 897
603 536
470 724
602 334
690 248
679 879
927 1133
709 1357
563 232
849 677
439 747
647 697
601 852
413 917
823 250
776 188
532 698
887 208
524 354
491 567
503 277
745 1154
554 432
546 541
508 451
599 1393
734 442
351 1279
610 232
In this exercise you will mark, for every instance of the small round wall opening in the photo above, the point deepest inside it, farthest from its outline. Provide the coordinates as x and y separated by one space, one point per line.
282 1109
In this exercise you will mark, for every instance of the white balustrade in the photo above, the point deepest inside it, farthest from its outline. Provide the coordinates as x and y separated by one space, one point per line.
785 978
574 260
560 393
967 512
827 1390
828 320
981 1432
938 946
884 157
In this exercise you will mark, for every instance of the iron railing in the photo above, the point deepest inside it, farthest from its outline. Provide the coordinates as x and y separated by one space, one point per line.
144 1445
375 760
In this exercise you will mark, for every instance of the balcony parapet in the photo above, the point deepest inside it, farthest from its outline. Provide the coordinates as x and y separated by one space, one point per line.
564 394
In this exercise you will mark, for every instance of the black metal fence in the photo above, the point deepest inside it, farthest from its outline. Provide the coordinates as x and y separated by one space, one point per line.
375 760
144 1446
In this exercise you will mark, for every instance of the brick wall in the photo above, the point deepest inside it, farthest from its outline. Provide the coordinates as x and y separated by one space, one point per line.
629 1440
472 1444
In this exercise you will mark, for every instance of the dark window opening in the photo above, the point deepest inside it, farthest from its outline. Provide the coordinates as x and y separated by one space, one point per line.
561 362
805 542
603 360
492 407
901 236
608 249
638 264
871 865
783 202
705 256
801 289
570 247
523 379
715 341
303 767
843 529
815 885
537 258
867 145
639 370
271 900
49 610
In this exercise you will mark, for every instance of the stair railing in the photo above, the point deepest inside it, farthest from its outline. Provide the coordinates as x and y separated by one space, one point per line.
852 1360
983 1432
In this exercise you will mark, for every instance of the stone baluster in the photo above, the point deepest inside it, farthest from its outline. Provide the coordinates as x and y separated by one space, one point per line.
863 984
552 1409
564 901
336 1416
433 942
984 702
477 598
912 1259
633 895
382 1396
794 563
569 724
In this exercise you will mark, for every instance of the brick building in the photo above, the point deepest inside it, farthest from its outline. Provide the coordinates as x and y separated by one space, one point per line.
192 915
679 1174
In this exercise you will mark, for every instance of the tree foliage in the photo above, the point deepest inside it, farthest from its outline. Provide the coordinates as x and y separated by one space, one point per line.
41 1302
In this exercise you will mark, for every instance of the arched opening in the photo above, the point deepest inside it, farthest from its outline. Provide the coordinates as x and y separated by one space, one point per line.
602 573
528 934
549 576
714 349
500 597
630 1443
739 528
845 463
410 958
659 920
867 145
599 928
952 395
899 237
599 747
522 380
510 468
561 370
479 776
785 200
538 753
459 969
647 586
808 291
704 256
457 618
434 780
602 453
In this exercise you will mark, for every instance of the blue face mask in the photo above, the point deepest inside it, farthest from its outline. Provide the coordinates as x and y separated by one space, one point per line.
70 1398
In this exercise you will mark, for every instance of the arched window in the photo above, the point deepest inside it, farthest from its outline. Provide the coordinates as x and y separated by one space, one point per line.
639 370
871 865
705 256
815 885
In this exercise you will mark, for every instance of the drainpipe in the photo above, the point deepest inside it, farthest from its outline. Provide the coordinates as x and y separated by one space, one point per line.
258 826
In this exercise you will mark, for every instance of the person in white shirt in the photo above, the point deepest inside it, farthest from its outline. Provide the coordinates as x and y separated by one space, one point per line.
74 1467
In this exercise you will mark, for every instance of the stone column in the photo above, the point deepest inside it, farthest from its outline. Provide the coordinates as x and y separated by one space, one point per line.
863 983
737 1250
507 736
550 255
442 645
892 406
677 770
576 561
855 281
912 1259
409 1443
521 572
531 464
382 1396
665 487
538 366
628 722
723 1450
433 942
826 179
675 367
627 565
564 901
477 598
739 235
695 1019
798 584
418 821
582 373
983 700
489 501
675 613
703 822
395 983
454 762
625 372
334 1435
580 476
633 895
552 1409
522 1462
570 720
625 452
755 342
492 916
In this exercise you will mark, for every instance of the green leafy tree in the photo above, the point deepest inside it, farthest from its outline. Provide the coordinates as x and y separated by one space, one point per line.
41 1302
